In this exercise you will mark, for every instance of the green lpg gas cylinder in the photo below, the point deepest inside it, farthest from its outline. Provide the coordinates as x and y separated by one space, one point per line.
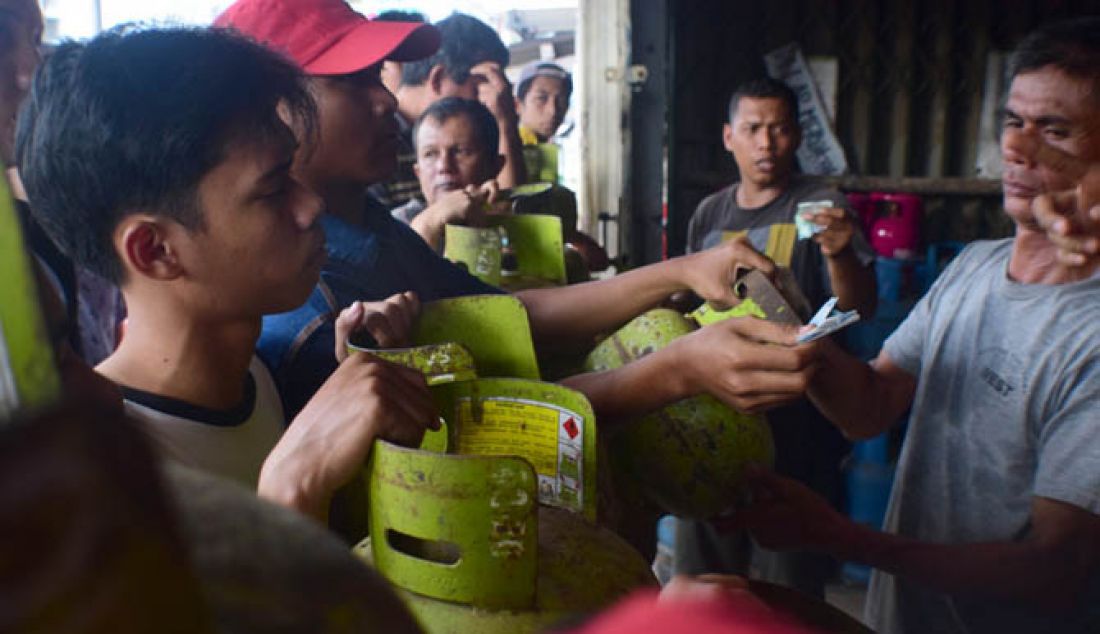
439 363
471 549
493 328
28 376
514 251
688 457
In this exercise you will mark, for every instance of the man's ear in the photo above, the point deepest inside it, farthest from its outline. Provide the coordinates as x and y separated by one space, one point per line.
436 76
727 136
145 248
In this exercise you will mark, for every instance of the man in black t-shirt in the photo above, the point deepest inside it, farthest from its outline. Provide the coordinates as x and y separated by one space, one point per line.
763 134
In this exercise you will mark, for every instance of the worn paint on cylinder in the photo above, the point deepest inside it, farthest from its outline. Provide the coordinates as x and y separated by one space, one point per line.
689 457
582 568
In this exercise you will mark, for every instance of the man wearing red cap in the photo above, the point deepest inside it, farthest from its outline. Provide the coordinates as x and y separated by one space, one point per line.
372 256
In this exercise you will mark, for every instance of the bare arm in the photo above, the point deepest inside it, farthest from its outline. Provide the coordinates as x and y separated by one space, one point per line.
430 227
618 395
328 442
852 282
496 93
1049 567
514 171
389 322
747 363
461 206
861 399
576 314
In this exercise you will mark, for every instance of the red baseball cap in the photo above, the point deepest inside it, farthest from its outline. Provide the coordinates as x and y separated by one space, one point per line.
327 37
643 613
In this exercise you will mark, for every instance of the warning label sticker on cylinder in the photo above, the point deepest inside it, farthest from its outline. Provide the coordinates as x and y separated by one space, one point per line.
551 438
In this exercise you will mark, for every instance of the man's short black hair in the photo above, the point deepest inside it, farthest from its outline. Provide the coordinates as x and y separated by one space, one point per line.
765 88
467 42
397 15
1072 46
483 122
133 119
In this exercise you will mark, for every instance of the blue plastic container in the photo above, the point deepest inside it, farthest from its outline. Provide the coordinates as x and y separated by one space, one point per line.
869 481
869 485
875 450
937 258
892 277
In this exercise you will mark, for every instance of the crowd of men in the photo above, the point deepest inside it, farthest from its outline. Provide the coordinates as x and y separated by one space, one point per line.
256 191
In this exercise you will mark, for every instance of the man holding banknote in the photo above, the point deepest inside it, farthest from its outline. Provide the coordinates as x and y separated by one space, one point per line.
829 257
763 134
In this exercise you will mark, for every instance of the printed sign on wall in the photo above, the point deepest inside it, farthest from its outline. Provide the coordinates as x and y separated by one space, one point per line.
820 152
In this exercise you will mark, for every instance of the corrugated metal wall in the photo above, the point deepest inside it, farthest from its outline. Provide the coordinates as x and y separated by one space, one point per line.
909 94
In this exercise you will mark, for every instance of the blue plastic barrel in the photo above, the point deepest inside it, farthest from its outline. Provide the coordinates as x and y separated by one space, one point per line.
869 478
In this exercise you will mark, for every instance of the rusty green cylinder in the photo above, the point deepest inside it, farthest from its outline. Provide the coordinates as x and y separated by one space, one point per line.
689 457
471 550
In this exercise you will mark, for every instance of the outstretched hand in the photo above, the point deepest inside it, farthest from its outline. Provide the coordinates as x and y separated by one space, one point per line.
389 322
1071 218
837 233
329 441
748 363
711 273
787 515
468 206
495 92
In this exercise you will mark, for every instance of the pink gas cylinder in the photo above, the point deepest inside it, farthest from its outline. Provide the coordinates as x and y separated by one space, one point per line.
896 229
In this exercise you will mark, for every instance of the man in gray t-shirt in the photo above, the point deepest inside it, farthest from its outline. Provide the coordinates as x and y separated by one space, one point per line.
994 520
771 230
1005 410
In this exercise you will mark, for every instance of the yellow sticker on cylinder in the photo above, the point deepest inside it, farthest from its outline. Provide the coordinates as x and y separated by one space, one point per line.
550 438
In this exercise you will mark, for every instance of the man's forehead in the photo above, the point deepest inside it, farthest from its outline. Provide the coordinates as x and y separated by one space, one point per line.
249 158
545 82
1050 91
456 127
758 108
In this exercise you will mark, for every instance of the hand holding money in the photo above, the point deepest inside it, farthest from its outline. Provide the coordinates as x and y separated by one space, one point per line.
826 224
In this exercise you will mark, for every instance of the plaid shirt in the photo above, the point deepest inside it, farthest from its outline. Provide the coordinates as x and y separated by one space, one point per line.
404 186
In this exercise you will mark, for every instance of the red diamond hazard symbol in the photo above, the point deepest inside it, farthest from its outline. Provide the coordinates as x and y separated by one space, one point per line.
570 427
